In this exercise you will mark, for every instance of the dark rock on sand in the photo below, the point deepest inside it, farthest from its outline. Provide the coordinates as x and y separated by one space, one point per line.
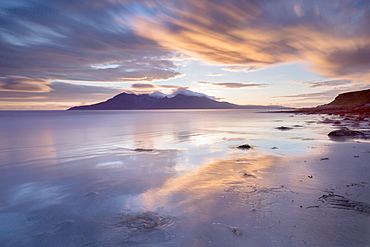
143 150
245 146
327 120
345 132
248 175
284 128
237 232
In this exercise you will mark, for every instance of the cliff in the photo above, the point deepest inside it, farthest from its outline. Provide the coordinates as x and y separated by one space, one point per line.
352 99
357 102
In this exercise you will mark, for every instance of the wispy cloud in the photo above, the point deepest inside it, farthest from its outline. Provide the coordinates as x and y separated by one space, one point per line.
327 83
243 68
148 86
50 40
215 74
233 84
325 95
332 37
145 41
24 84
61 92
142 86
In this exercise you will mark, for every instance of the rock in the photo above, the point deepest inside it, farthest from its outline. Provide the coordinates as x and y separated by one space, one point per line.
237 232
284 128
143 150
345 132
245 146
327 120
248 175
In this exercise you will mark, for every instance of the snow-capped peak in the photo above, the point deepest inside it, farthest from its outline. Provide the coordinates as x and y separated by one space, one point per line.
158 95
182 91
186 92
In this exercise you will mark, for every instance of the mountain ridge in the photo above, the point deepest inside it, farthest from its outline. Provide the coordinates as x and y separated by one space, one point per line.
180 99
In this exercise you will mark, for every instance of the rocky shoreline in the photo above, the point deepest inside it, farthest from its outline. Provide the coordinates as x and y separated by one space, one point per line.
363 110
351 122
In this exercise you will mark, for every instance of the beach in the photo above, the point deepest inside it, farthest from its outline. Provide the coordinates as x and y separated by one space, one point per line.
180 178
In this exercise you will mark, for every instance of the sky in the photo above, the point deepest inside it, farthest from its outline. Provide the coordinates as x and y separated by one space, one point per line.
55 54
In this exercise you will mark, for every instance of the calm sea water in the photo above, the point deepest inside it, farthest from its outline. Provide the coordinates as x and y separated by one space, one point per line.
142 178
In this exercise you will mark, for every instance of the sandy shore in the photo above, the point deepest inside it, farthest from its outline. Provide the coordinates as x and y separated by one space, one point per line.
320 198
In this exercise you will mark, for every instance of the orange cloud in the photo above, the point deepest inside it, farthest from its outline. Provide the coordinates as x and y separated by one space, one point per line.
332 39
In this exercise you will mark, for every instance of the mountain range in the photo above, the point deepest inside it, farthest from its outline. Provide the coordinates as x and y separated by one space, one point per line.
180 99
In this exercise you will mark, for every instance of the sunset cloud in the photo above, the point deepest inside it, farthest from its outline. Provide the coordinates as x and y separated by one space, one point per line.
243 68
324 96
148 86
332 37
61 92
131 42
328 83
233 84
24 84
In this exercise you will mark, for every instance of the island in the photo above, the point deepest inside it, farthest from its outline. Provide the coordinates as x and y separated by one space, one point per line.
180 99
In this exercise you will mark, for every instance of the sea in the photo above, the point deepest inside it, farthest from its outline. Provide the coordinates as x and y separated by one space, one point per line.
151 177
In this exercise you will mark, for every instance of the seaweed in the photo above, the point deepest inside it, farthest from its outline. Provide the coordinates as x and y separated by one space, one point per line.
340 202
147 227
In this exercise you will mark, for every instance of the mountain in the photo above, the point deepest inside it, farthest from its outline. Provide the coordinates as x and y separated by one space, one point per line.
180 99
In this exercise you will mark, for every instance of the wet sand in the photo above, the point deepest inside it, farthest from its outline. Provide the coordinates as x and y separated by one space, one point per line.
259 199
